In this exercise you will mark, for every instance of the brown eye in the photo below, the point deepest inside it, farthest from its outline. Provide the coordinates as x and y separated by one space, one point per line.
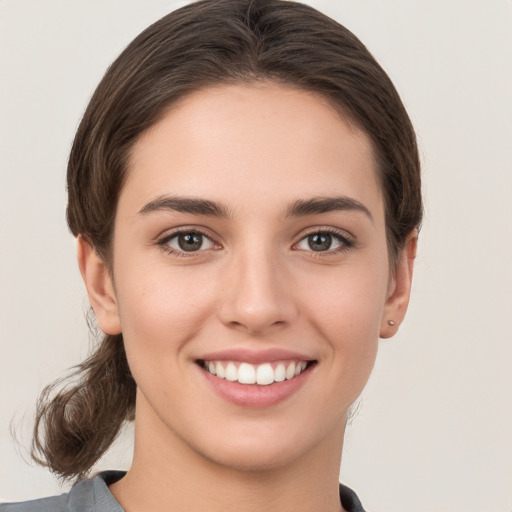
190 241
320 242
324 241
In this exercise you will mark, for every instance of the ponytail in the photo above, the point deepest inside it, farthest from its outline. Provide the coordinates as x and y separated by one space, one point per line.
78 421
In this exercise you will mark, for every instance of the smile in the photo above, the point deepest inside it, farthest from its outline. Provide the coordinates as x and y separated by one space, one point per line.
261 374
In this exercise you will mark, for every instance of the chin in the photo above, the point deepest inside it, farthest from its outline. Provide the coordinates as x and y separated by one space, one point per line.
255 458
272 447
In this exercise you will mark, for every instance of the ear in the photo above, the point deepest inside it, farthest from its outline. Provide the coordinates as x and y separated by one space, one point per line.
399 288
99 286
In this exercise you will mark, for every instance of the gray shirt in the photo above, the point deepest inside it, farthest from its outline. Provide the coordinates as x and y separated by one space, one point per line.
93 496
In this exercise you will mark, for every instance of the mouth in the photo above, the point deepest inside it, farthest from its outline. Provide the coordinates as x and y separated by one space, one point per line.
263 374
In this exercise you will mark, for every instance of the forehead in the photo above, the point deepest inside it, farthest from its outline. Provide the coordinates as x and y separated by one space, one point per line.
261 140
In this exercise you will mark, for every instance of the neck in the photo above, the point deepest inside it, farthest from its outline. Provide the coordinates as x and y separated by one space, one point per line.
167 474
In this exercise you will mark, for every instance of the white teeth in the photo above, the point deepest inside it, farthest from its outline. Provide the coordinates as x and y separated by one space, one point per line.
262 374
265 374
231 372
219 371
280 373
246 374
290 371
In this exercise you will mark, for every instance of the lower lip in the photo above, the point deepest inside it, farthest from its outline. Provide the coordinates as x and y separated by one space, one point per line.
254 395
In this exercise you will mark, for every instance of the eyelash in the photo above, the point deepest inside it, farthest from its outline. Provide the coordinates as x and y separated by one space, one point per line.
164 242
346 242
343 238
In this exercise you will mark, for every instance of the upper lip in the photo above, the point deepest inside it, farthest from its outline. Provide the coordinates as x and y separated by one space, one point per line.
267 355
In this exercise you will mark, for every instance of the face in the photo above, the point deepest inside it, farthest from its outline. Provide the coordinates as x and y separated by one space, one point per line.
251 276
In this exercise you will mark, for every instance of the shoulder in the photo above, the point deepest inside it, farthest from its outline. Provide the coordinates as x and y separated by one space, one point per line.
86 496
54 503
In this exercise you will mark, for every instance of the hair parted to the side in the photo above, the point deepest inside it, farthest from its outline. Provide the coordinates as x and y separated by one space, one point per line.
209 42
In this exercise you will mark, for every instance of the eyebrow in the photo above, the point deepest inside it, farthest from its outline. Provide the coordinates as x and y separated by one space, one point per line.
318 205
185 205
299 208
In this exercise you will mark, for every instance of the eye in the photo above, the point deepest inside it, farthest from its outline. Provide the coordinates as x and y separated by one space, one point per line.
324 241
187 241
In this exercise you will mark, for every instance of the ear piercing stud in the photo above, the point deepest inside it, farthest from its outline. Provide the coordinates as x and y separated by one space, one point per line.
391 322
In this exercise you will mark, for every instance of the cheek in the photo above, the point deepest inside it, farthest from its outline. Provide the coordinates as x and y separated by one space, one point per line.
350 300
348 314
160 311
352 330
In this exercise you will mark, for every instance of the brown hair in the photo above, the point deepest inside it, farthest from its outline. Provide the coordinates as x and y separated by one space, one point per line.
206 43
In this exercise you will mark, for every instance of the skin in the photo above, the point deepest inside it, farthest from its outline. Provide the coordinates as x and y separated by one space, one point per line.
255 149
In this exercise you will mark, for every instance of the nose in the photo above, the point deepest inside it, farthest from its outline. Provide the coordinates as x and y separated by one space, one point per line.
257 295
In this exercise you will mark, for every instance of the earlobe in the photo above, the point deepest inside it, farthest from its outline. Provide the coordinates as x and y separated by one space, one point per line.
99 286
400 288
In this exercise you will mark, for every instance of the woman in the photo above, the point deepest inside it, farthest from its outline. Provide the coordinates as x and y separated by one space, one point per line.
245 191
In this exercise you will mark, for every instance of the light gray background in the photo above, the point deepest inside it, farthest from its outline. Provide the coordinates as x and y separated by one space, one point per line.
434 428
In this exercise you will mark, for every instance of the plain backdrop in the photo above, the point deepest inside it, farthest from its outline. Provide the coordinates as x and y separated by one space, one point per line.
434 428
